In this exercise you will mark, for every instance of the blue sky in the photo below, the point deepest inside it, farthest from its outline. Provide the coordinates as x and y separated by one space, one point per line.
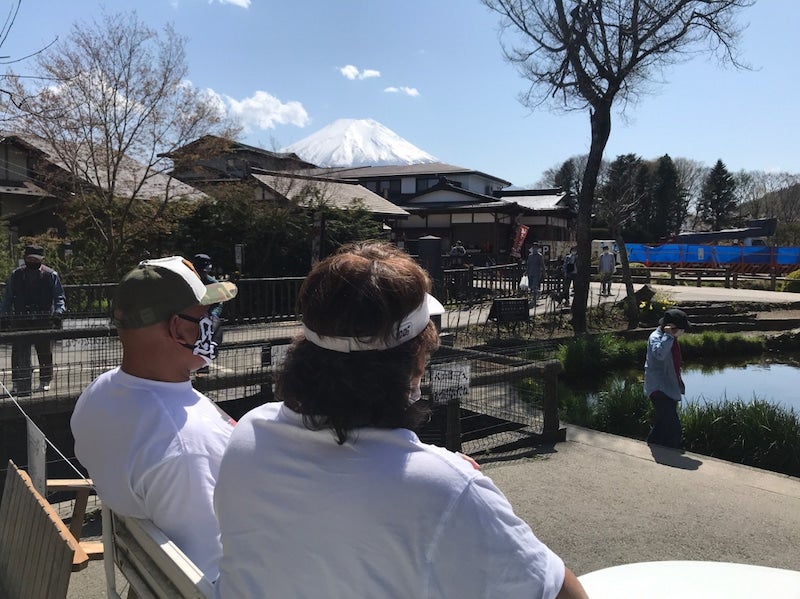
433 72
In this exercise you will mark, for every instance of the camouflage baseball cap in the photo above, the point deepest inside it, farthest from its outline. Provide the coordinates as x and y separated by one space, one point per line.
158 289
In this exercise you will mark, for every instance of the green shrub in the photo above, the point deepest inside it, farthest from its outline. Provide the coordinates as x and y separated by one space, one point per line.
573 407
650 312
638 269
710 343
623 409
792 282
756 433
590 356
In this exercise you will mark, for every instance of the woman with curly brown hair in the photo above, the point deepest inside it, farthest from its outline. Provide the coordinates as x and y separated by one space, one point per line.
331 494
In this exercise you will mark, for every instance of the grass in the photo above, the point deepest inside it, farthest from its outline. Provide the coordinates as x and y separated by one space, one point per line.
587 357
757 433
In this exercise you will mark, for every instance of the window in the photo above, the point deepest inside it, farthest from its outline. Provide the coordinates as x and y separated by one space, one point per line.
427 183
390 187
13 164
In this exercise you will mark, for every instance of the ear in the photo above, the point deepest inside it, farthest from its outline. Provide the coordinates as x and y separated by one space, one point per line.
177 332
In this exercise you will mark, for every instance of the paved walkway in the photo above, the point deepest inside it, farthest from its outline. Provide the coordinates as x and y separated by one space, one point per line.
599 500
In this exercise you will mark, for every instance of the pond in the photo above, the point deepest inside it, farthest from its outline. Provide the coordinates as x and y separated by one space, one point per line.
777 382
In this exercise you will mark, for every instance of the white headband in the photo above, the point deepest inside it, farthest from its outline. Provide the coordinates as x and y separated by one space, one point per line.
411 326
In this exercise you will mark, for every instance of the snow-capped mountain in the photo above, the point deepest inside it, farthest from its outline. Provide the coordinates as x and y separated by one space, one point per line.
358 142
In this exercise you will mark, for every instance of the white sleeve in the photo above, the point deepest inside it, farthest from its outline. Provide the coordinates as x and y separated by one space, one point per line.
485 550
178 494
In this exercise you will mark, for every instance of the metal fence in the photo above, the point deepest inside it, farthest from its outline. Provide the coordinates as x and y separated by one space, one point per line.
258 300
481 283
504 397
493 397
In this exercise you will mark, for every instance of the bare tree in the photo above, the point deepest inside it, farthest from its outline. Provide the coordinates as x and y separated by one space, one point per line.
591 54
691 174
116 101
619 201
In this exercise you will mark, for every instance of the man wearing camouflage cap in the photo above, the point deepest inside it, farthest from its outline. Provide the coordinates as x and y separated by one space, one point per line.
152 444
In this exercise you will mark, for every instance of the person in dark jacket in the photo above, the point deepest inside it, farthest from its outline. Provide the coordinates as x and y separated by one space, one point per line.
203 265
33 300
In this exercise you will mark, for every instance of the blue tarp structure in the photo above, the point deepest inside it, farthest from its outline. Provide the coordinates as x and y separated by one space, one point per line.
680 253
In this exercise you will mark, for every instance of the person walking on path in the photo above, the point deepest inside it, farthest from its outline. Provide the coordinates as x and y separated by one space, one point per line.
570 266
662 378
606 266
535 270
34 300
151 443
336 474
457 254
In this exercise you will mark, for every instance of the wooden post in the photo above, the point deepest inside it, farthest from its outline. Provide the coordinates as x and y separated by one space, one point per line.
37 449
551 429
453 426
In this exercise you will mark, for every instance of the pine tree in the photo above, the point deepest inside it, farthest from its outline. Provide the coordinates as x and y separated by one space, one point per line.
717 203
668 199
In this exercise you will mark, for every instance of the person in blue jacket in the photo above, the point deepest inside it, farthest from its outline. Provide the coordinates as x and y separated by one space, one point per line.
662 378
33 300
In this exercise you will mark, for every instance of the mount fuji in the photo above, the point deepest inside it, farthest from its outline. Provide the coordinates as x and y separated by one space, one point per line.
358 142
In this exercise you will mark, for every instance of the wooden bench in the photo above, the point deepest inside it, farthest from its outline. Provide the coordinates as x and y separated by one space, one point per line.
153 565
37 550
82 488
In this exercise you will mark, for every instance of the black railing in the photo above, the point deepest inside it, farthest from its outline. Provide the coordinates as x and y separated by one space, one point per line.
258 300
480 283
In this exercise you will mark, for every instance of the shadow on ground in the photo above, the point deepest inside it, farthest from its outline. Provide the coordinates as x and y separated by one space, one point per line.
674 458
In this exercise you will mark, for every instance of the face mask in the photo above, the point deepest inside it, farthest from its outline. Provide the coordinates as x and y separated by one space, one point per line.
679 332
415 394
204 346
33 265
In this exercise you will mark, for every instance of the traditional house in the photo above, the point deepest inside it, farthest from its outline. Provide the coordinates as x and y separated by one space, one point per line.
455 203
212 163
212 160
450 202
36 182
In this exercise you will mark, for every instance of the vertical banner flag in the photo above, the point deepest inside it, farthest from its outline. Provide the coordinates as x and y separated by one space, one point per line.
519 239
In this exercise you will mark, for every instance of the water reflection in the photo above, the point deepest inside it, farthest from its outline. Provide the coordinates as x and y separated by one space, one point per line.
776 380
777 383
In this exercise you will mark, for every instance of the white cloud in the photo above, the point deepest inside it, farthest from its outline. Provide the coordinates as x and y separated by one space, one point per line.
263 111
352 72
241 3
409 91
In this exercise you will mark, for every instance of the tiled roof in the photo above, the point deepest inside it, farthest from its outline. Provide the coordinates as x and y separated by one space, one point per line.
431 169
336 193
538 202
130 177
